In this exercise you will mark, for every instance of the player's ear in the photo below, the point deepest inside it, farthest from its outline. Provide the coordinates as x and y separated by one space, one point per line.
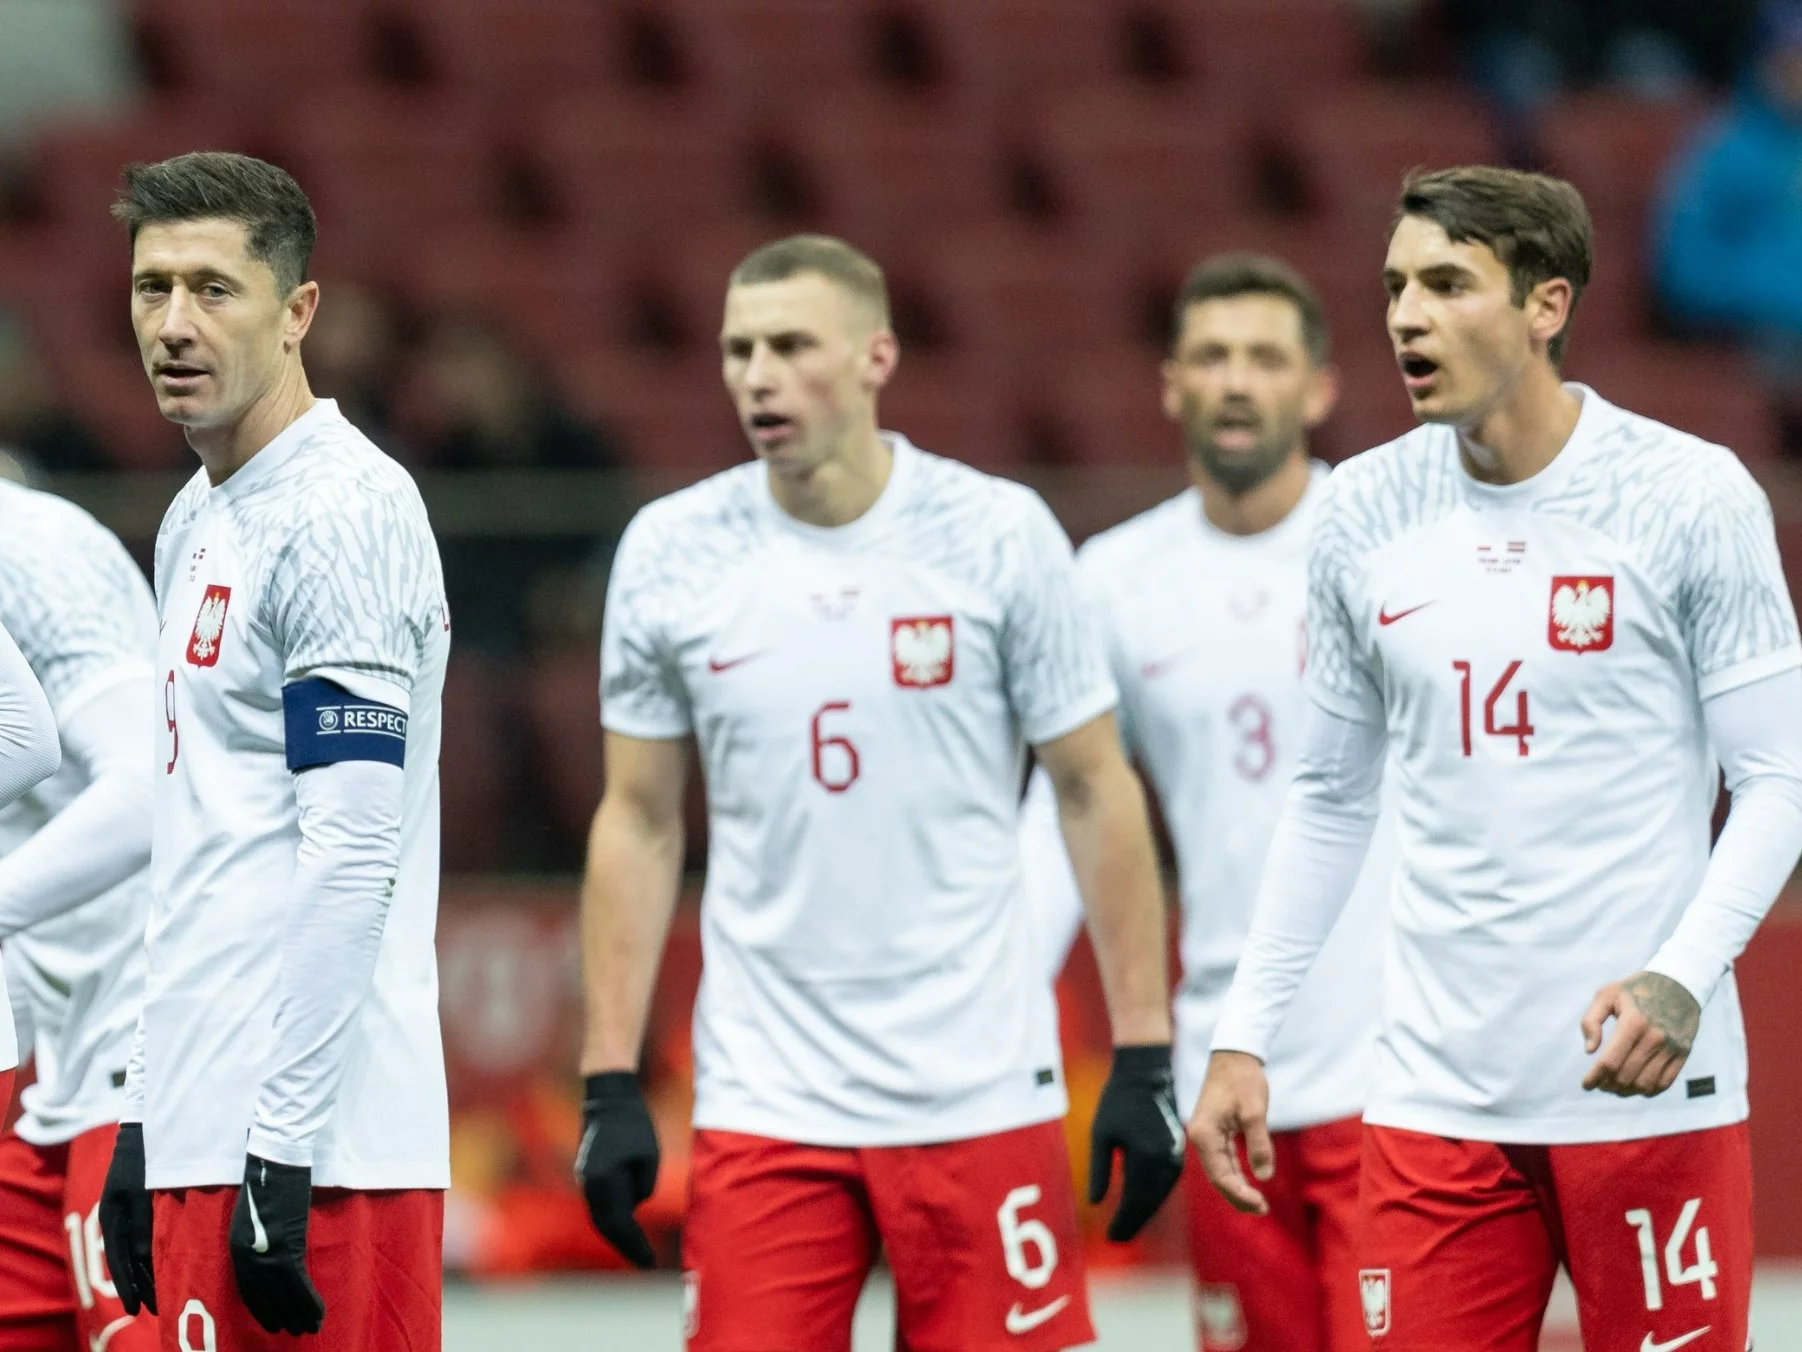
882 354
1172 395
1322 395
1548 310
302 304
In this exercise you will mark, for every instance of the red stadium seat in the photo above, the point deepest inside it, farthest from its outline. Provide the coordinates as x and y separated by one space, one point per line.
555 294
1130 164
1355 145
1108 407
1617 152
388 172
1018 295
1014 51
502 51
674 416
954 407
1264 50
762 52
1712 392
634 167
1373 407
875 166
264 52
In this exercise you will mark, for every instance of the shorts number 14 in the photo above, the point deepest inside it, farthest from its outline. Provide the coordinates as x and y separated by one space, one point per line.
1522 726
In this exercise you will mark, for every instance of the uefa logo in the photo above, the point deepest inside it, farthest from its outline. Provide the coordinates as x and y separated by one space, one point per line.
328 720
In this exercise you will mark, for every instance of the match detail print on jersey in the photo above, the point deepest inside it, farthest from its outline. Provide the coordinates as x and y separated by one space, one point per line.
924 651
209 627
1582 615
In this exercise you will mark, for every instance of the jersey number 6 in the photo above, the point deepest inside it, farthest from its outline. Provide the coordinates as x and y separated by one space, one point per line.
845 767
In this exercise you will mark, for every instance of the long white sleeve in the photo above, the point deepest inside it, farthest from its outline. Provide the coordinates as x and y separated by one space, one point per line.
29 750
350 828
1315 856
1756 731
103 836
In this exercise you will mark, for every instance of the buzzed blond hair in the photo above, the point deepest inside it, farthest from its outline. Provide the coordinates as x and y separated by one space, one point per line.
838 262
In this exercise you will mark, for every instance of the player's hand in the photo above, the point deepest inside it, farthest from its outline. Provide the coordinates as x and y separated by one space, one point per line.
125 1221
616 1166
268 1242
1137 1117
1234 1102
1654 1029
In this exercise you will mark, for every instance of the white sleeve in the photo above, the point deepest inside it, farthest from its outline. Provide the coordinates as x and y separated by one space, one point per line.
344 872
103 836
1315 857
1052 894
1733 603
1756 730
642 693
131 1103
29 750
1053 655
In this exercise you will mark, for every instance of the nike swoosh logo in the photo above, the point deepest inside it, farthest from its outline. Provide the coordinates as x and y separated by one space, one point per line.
97 1341
1019 1321
1152 670
1178 1137
1649 1346
1385 618
259 1237
716 666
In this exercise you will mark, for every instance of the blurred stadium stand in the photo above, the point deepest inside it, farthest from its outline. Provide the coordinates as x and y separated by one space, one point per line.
1037 175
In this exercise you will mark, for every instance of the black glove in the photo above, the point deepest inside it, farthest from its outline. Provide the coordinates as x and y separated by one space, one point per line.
616 1166
125 1221
268 1242
1137 1117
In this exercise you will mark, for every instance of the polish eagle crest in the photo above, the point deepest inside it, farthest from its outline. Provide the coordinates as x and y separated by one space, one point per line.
1582 613
1373 1291
209 626
922 649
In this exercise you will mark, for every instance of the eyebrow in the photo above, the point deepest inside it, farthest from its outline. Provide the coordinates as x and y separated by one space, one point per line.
784 335
201 274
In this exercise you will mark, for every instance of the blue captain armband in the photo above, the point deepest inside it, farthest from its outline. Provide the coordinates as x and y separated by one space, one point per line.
326 723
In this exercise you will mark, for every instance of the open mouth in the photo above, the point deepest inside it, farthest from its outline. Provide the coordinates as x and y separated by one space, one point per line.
767 428
1417 371
179 371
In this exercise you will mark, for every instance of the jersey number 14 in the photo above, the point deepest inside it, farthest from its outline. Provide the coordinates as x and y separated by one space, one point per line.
1522 726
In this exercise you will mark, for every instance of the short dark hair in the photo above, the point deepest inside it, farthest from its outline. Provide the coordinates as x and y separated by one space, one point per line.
827 255
1250 274
219 185
1537 225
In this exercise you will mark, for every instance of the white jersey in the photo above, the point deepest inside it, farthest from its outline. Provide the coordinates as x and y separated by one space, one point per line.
861 697
313 561
1540 653
81 612
1207 634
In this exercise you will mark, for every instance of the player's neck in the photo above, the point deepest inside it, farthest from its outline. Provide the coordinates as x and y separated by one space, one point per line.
1523 431
842 488
1259 509
226 450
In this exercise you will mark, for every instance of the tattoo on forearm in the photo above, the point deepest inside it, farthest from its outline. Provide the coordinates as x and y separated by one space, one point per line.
1669 1008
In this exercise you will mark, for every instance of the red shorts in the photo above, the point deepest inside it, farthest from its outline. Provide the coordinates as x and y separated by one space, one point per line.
981 1236
375 1257
1459 1241
55 1292
1286 1282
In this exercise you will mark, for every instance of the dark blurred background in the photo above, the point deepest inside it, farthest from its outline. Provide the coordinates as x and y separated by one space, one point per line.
528 209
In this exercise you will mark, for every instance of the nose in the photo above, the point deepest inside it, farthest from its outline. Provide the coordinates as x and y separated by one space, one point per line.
1407 320
760 370
176 329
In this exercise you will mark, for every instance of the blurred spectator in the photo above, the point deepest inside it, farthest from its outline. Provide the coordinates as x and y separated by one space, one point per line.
1525 52
33 422
1730 241
474 400
353 354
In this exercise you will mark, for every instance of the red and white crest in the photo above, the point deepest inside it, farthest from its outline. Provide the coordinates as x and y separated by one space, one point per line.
209 627
1222 1318
1582 614
923 650
1373 1293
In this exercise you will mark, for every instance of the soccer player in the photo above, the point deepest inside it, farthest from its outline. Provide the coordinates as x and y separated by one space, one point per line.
1554 617
862 638
1203 601
283 1146
29 752
74 894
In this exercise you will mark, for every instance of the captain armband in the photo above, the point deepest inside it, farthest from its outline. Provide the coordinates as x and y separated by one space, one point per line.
325 724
